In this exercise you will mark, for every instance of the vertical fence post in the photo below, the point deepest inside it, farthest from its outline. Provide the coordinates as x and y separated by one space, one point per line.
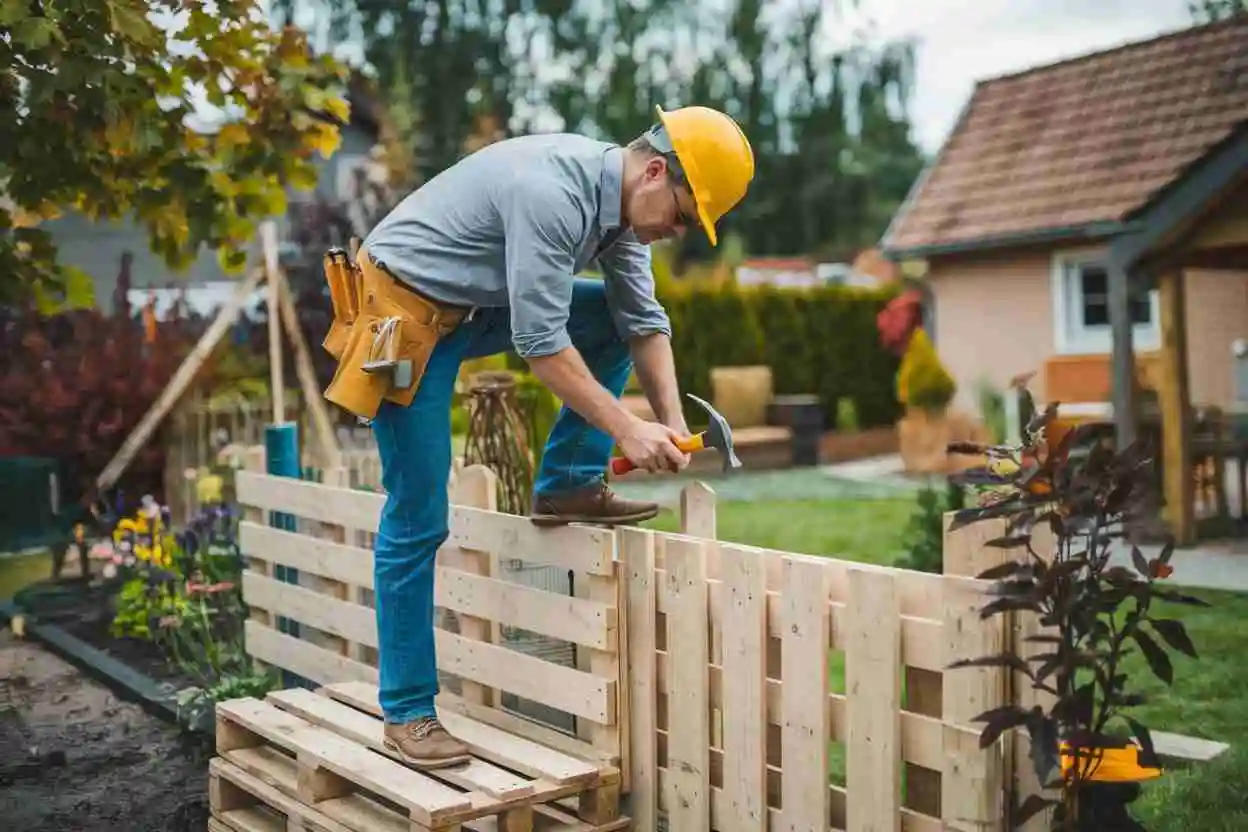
641 614
697 510
967 555
281 446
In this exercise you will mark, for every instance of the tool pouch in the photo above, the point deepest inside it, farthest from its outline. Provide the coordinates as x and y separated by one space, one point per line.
344 291
389 343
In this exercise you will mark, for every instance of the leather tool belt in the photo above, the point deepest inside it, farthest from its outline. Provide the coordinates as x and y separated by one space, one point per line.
382 334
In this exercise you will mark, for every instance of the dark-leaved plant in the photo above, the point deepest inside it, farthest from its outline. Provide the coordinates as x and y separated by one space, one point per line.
1064 510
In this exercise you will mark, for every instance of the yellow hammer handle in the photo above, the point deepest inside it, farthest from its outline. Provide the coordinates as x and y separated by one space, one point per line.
694 443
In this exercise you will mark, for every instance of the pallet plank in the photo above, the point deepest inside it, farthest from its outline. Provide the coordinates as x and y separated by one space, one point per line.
357 726
582 548
744 617
485 741
873 703
638 552
574 691
303 657
805 706
688 745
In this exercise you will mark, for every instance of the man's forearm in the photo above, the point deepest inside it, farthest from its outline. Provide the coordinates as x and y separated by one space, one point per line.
567 376
656 370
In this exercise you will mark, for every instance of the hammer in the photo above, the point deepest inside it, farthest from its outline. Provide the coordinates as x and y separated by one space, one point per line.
717 436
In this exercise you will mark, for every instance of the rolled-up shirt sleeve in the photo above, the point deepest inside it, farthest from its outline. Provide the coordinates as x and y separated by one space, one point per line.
543 225
629 279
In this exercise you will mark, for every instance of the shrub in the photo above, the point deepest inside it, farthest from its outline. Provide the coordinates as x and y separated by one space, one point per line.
821 340
922 380
925 533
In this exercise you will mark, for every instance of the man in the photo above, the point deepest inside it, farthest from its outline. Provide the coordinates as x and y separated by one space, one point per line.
480 260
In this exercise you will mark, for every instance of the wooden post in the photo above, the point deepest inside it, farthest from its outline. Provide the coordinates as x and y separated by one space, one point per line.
1174 396
697 510
1123 368
178 384
314 402
965 555
268 238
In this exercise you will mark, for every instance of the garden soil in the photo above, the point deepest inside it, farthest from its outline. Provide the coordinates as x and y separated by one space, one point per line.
73 756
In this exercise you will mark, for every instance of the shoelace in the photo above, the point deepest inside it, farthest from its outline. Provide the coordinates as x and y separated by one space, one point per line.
424 728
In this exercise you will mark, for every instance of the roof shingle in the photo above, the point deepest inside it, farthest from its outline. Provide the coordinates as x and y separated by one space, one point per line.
1083 141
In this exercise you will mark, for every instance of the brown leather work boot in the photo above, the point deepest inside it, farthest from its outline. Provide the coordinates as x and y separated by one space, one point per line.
592 504
424 743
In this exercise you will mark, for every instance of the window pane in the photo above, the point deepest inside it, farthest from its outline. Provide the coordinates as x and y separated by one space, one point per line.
1095 281
1095 313
1141 309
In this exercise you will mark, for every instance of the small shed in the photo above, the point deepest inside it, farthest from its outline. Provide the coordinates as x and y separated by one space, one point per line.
1088 221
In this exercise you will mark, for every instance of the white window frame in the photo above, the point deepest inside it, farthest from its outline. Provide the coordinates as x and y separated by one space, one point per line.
1070 335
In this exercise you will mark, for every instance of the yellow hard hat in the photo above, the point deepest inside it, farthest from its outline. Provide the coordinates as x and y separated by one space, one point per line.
716 157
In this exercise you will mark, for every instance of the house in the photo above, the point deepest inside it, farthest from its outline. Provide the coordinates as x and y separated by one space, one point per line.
98 247
1088 220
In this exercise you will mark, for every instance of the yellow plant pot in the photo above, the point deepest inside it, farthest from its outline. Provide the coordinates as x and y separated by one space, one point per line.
1111 765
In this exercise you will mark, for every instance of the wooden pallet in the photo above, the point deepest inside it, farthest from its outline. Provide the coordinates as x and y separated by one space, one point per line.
311 760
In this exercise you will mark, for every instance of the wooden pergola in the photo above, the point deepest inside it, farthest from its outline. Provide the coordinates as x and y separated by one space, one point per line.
1199 221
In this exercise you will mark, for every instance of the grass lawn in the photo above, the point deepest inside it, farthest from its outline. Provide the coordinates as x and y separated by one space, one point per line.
1209 697
865 530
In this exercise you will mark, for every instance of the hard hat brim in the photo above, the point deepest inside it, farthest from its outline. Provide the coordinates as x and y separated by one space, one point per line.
694 179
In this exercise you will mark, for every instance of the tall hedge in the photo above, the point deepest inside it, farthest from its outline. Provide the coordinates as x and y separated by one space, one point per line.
820 340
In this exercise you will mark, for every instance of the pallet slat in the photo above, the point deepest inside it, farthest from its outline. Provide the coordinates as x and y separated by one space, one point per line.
689 740
744 617
582 548
806 721
873 708
488 742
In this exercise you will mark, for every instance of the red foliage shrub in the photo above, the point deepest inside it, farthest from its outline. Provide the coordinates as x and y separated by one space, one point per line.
75 385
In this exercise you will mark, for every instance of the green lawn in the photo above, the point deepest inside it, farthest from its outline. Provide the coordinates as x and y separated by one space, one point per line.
1209 698
863 530
19 571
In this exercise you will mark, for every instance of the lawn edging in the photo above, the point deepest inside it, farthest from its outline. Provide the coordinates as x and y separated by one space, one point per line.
128 683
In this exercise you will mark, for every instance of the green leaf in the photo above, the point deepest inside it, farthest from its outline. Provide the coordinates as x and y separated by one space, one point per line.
79 289
12 11
1148 754
132 23
36 33
1157 659
1175 635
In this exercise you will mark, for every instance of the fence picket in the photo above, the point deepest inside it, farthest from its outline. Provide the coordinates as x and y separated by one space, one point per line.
873 705
688 701
743 620
804 707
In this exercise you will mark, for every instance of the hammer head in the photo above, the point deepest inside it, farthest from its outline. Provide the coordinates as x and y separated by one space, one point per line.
718 435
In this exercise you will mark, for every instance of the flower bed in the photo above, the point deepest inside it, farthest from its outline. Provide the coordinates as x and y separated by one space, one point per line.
163 603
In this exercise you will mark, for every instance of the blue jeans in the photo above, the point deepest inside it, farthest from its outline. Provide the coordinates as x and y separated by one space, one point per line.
415 447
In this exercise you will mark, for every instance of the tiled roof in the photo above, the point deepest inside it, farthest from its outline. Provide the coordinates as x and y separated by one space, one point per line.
1083 141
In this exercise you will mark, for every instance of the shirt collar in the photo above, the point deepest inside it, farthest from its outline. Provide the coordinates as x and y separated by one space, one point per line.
610 188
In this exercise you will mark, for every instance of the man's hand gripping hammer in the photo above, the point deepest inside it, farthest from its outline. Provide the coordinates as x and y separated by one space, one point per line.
717 436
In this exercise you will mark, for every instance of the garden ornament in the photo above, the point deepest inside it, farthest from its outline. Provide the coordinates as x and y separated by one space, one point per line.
717 436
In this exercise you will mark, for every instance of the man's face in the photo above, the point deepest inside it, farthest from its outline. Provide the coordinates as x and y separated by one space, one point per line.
660 209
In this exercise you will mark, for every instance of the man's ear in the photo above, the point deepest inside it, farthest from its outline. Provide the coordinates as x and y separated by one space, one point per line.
656 168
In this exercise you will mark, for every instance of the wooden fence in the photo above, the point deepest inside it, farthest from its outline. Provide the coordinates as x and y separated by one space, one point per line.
807 693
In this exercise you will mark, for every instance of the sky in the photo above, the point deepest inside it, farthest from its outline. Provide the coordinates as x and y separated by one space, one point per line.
962 41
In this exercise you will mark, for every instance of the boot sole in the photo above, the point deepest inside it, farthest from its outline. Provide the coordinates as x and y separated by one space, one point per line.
593 519
428 762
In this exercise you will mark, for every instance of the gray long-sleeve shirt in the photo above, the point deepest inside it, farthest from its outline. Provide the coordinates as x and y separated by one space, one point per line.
511 224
